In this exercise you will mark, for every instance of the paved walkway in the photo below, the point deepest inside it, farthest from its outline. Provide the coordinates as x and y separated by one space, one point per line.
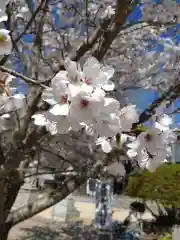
44 221
86 207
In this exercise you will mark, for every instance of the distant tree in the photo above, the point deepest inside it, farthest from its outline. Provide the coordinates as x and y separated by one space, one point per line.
163 188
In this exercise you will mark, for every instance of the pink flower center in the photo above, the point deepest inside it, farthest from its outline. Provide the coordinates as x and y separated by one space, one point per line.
87 81
63 99
84 103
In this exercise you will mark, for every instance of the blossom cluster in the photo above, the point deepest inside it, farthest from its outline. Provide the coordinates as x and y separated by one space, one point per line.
79 99
165 11
5 39
153 147
9 102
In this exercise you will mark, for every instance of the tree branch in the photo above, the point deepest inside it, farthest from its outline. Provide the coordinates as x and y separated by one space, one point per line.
51 198
171 94
5 58
121 12
19 75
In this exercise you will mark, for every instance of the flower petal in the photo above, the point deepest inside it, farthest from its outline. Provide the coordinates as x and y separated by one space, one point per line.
111 105
59 77
63 125
39 119
108 71
60 109
106 147
48 96
108 86
91 68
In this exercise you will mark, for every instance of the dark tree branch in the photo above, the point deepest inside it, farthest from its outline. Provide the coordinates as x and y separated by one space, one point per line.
171 94
122 10
50 198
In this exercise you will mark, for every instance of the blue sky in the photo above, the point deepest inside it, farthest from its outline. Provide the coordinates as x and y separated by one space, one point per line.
149 95
136 95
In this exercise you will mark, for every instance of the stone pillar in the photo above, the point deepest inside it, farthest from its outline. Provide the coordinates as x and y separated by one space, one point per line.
176 233
66 210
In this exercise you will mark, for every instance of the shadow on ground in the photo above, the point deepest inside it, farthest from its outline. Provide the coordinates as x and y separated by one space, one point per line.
66 231
72 231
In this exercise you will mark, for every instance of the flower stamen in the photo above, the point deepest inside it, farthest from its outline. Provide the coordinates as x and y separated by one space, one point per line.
84 103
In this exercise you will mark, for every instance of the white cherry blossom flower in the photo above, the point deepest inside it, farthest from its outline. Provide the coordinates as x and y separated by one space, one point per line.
5 42
39 119
58 98
128 116
164 122
84 106
108 13
61 76
12 103
155 140
63 123
111 105
48 96
96 75
73 71
51 127
150 162
56 124
107 144
107 125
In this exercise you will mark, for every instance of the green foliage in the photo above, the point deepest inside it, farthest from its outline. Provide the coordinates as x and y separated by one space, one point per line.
139 129
163 185
166 236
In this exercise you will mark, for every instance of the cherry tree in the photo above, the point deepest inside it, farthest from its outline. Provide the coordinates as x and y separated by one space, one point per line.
62 92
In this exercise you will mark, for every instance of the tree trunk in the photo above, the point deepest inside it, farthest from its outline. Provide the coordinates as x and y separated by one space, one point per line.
4 231
8 194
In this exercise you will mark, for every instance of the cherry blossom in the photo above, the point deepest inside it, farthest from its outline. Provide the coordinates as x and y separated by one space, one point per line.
73 70
84 107
78 100
96 75
128 116
71 95
151 148
5 42
108 12
12 103
41 120
167 11
150 162
107 144
108 126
